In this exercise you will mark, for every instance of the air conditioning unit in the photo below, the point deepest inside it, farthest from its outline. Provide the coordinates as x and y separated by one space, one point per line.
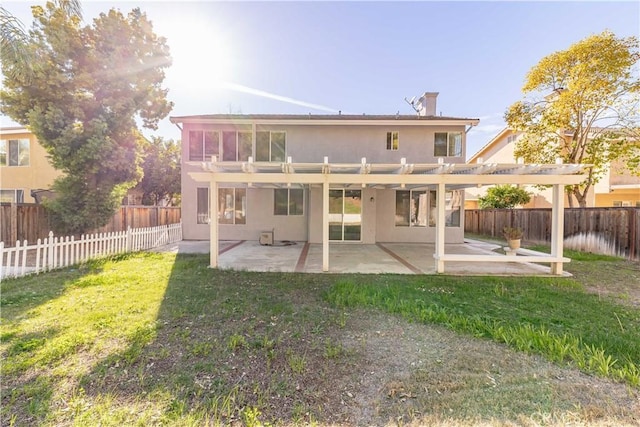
266 238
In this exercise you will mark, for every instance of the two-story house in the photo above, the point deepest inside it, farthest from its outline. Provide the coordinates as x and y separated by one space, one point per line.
367 213
342 178
616 188
25 171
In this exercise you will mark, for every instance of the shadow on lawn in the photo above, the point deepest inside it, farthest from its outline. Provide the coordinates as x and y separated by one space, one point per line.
231 346
27 397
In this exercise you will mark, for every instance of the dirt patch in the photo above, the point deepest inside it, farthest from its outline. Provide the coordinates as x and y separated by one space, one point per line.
617 280
412 373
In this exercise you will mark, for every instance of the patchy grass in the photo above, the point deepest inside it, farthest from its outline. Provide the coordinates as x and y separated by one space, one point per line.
552 317
160 339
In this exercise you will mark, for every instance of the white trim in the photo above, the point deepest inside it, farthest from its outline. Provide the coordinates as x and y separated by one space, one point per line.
625 187
14 131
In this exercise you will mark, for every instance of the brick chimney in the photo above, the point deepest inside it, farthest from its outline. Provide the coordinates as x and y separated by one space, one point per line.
428 104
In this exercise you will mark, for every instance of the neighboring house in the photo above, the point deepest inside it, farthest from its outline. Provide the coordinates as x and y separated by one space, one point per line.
25 171
26 175
616 188
357 213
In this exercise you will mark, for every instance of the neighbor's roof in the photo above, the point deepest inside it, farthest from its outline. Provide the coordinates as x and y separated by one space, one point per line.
489 144
318 118
10 130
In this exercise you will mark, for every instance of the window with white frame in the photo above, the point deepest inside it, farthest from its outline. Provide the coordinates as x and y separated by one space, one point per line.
411 208
12 196
14 152
393 140
237 146
448 144
271 146
202 205
203 145
452 208
288 201
232 206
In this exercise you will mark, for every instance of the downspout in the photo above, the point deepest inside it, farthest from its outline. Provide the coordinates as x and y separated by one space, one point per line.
471 126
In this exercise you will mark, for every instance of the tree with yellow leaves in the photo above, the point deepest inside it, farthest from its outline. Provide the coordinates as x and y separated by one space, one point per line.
582 105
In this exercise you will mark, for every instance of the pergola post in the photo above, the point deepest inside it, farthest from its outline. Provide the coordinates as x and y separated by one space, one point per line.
557 227
325 226
213 223
440 201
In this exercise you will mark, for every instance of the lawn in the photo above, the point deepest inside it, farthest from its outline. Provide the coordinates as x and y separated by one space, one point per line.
160 339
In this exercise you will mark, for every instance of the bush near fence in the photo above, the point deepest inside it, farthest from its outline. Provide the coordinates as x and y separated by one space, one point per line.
58 252
29 221
618 228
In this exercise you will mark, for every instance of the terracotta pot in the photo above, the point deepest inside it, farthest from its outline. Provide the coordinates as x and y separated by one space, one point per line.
514 243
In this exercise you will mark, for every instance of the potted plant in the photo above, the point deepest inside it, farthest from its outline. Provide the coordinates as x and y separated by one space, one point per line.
513 236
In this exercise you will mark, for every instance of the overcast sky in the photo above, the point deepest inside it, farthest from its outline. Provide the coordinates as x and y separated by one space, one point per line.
361 57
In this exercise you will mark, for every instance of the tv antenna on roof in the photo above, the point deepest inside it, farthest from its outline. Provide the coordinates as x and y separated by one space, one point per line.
416 104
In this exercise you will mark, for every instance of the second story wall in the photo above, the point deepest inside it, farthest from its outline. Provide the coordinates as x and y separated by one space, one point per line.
311 143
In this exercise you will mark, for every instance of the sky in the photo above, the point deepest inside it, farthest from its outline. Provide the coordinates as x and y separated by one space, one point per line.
360 57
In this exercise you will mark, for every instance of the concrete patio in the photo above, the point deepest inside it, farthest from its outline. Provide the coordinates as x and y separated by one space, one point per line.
394 258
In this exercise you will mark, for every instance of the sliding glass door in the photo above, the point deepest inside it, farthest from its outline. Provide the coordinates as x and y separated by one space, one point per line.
345 215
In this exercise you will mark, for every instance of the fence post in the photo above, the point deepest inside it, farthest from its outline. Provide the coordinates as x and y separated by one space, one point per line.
2 260
50 249
631 238
128 241
14 222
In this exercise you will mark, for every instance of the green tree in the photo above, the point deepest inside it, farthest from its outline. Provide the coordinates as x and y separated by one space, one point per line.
14 39
504 197
581 105
90 85
161 169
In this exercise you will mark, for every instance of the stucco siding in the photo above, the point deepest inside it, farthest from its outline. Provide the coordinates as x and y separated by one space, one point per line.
39 174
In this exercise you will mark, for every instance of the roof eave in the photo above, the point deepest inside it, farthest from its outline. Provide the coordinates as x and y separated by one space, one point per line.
328 122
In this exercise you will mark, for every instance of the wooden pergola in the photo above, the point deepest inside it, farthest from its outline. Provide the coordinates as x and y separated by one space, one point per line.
405 175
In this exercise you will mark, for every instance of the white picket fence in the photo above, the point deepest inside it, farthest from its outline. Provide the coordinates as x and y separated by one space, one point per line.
58 252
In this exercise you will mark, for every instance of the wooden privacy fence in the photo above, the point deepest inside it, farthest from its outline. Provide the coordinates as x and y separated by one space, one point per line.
58 252
614 231
29 221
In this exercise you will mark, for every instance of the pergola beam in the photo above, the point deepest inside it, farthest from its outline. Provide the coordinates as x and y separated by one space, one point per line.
470 180
402 175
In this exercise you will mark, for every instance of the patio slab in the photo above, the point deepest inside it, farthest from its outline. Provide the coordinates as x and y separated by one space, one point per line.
391 258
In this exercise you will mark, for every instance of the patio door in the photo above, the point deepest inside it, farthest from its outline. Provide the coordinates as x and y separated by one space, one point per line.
345 215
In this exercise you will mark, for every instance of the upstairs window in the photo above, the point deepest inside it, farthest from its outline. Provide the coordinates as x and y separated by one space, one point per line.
203 145
271 146
393 140
448 144
14 152
236 146
288 201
